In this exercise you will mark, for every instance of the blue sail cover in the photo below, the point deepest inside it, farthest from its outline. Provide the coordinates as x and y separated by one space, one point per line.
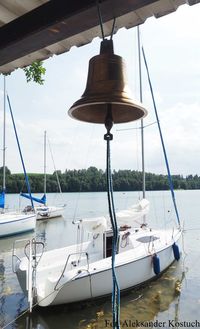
2 199
42 200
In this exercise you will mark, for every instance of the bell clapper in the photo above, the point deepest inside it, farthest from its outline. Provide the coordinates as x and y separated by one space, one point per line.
108 123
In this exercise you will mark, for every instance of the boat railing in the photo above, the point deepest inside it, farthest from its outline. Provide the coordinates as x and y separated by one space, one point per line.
36 253
33 254
15 256
26 243
67 261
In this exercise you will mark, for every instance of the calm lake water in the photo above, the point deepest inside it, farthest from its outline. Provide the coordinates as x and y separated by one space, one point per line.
166 303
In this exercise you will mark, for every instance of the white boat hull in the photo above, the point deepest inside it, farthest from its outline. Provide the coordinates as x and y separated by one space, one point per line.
47 212
12 223
86 281
100 284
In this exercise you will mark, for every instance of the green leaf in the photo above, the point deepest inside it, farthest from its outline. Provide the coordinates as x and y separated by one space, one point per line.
35 72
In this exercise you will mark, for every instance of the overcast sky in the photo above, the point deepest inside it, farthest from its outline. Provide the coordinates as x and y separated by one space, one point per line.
172 47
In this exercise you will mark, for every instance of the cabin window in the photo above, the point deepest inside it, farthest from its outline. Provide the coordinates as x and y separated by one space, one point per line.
108 239
109 246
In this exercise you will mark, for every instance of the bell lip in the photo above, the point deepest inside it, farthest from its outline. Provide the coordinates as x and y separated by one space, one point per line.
138 105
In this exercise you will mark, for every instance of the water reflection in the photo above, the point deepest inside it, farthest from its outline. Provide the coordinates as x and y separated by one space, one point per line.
12 303
142 304
6 244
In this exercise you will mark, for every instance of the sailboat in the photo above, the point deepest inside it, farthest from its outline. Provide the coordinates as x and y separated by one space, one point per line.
44 211
84 271
13 222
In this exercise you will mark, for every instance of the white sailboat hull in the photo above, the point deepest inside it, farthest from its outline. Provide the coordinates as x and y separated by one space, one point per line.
12 223
46 212
91 277
99 284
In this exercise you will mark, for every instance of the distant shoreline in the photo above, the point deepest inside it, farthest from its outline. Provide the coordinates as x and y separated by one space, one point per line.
94 180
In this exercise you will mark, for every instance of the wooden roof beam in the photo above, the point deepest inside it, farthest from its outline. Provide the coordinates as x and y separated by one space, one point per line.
57 20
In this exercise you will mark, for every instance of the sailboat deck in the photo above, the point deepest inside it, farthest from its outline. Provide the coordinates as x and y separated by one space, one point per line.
139 244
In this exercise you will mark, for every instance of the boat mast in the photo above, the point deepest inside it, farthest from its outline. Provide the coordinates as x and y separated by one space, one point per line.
20 153
45 178
142 125
56 172
4 137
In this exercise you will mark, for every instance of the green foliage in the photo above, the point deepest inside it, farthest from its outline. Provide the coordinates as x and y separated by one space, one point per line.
34 72
7 171
94 180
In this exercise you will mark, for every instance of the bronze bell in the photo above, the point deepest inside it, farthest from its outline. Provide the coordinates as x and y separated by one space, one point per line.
106 87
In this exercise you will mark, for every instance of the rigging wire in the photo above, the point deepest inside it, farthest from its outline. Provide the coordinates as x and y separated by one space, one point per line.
54 165
101 22
20 152
142 121
135 128
100 19
77 200
113 28
161 137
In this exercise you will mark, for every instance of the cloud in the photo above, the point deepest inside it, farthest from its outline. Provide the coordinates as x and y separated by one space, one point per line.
180 127
172 50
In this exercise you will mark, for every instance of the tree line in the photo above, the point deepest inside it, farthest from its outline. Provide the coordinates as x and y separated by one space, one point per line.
94 180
